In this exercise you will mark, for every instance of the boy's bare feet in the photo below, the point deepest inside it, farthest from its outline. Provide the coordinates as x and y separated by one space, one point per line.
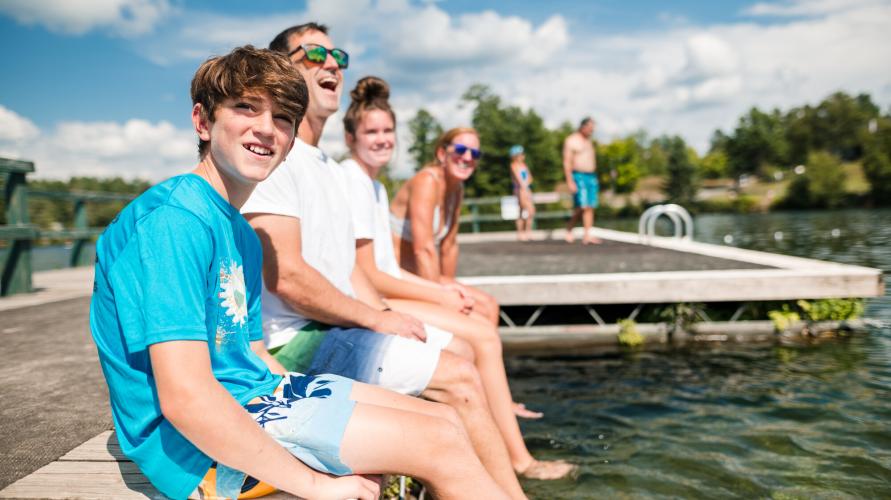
569 237
591 240
521 411
547 469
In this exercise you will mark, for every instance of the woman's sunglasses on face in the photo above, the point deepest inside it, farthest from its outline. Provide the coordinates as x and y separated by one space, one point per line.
461 149
317 54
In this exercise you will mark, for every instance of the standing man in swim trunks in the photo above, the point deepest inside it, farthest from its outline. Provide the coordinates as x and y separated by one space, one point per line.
580 167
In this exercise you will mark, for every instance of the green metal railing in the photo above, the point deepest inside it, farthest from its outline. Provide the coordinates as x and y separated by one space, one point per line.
15 275
476 217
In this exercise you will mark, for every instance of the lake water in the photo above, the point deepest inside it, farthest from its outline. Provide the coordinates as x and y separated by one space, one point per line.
729 421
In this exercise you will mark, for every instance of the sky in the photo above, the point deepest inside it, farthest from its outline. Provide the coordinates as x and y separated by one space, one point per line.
101 87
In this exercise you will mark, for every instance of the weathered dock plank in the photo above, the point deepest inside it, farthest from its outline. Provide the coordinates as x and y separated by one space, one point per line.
95 470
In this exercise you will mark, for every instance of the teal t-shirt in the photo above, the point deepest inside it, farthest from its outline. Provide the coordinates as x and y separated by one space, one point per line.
178 263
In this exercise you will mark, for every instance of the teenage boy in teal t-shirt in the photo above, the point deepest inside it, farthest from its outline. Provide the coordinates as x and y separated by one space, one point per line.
176 319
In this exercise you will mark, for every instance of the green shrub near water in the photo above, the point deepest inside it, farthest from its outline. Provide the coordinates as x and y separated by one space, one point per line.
831 309
629 334
814 311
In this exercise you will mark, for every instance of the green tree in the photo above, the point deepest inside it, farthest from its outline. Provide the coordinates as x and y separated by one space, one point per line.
654 159
424 131
820 186
835 125
714 165
681 184
877 160
757 141
620 162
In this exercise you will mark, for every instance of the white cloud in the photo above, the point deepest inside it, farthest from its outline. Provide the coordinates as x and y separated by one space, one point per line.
122 17
14 127
134 149
688 80
803 8
430 35
196 35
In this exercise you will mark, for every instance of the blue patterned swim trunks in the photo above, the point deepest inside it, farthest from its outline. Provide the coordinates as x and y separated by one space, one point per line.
588 188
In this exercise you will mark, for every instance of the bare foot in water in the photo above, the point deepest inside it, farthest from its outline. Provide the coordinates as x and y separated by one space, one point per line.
547 469
521 411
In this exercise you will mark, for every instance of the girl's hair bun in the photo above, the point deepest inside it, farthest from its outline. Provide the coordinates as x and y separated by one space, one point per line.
369 89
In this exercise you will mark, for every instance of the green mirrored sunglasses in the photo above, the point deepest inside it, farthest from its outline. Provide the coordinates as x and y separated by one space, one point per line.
317 54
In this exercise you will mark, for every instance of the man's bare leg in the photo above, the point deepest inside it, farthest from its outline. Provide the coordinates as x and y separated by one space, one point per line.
456 383
489 362
573 220
388 432
588 223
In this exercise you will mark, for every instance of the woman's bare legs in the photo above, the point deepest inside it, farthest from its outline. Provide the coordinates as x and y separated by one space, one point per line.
394 434
484 305
527 213
489 362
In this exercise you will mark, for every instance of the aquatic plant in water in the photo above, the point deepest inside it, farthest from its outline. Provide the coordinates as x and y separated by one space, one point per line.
629 334
783 318
831 309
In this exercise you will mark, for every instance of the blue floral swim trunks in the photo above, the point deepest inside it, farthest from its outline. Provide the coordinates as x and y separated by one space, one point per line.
307 415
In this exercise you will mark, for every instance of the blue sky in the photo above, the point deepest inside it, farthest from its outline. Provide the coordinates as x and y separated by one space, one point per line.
100 87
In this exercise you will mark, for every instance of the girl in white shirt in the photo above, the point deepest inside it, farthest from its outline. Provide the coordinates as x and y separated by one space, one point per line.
369 126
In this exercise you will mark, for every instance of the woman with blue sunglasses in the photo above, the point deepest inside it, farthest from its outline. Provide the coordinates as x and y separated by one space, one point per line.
425 211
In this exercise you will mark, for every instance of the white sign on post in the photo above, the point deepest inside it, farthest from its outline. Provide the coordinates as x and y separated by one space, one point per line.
510 208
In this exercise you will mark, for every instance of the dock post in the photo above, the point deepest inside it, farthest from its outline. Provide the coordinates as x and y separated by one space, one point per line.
80 222
16 276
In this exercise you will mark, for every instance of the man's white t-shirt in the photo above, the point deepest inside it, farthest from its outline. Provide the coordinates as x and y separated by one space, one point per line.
371 215
312 187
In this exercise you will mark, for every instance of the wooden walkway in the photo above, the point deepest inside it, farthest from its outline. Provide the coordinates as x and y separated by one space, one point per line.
95 470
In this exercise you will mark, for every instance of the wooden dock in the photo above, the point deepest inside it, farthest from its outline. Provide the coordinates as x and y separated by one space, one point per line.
55 439
623 270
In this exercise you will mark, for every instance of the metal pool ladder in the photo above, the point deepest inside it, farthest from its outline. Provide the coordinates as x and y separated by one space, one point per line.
680 218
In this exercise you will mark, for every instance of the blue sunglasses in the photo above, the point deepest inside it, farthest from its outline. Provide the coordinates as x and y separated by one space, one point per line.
461 149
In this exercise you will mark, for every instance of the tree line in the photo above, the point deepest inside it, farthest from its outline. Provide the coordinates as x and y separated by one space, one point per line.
764 144
49 213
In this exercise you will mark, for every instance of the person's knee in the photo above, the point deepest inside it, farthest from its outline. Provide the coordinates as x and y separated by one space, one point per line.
449 414
462 348
460 380
491 303
490 341
447 434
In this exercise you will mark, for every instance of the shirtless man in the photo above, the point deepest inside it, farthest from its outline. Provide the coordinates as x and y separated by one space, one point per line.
580 168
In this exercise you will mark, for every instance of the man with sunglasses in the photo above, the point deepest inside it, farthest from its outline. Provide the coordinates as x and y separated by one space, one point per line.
320 313
580 168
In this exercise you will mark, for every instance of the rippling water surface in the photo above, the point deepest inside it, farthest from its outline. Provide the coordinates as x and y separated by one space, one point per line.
744 421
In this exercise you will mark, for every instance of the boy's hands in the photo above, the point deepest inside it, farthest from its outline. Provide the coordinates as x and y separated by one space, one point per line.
400 324
344 487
